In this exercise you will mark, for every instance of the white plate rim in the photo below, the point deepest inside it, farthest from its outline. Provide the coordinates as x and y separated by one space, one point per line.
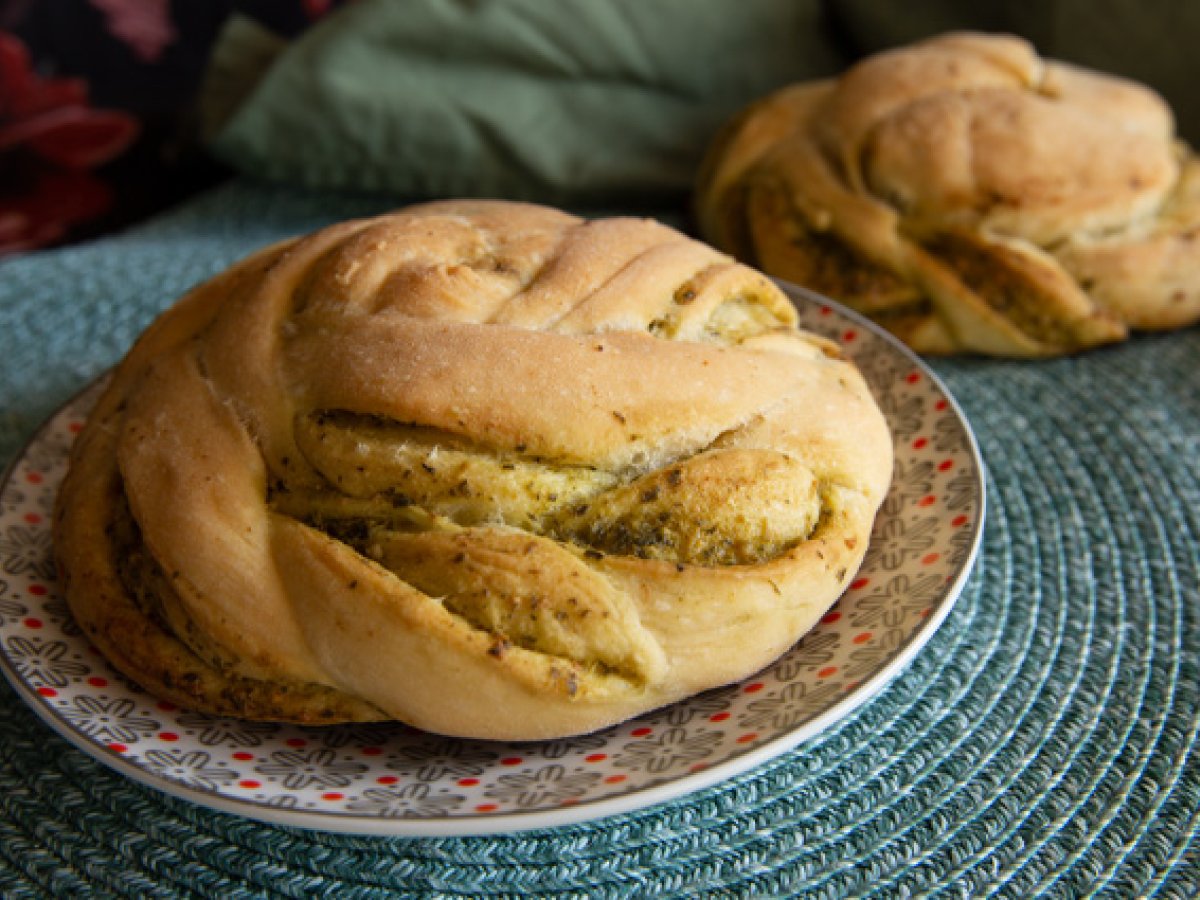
636 799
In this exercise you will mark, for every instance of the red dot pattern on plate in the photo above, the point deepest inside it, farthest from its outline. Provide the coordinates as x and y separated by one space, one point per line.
946 458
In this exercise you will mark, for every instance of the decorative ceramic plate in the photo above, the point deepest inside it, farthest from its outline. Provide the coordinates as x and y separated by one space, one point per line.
390 779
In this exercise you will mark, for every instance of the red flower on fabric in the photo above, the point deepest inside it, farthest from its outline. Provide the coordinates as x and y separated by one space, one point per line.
144 26
314 9
49 139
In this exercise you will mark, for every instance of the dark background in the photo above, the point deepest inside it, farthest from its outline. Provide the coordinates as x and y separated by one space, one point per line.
155 80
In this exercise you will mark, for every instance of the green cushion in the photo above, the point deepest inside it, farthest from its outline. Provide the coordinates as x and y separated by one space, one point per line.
570 102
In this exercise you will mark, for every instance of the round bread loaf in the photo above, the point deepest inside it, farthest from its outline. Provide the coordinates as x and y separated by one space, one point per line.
969 196
482 467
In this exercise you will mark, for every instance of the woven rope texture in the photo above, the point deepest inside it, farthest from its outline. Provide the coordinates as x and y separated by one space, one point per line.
1043 744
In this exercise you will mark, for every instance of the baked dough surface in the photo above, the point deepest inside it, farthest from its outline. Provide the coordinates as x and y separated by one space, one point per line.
968 195
481 467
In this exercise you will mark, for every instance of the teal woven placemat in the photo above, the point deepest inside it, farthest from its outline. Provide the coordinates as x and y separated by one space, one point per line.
1043 744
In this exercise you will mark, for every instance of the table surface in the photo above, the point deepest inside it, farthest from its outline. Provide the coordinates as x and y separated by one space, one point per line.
1042 744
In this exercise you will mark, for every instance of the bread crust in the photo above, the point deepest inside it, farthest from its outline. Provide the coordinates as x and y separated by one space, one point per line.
481 467
1068 183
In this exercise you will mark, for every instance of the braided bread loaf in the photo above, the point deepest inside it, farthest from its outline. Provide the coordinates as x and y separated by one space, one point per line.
969 196
481 467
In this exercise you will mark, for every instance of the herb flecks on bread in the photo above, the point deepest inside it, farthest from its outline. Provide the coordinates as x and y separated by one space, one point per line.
969 196
481 467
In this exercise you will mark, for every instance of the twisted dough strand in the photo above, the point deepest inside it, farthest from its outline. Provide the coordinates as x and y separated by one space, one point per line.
482 467
969 196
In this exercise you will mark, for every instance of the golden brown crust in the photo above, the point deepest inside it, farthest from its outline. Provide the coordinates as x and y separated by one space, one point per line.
1065 182
481 467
